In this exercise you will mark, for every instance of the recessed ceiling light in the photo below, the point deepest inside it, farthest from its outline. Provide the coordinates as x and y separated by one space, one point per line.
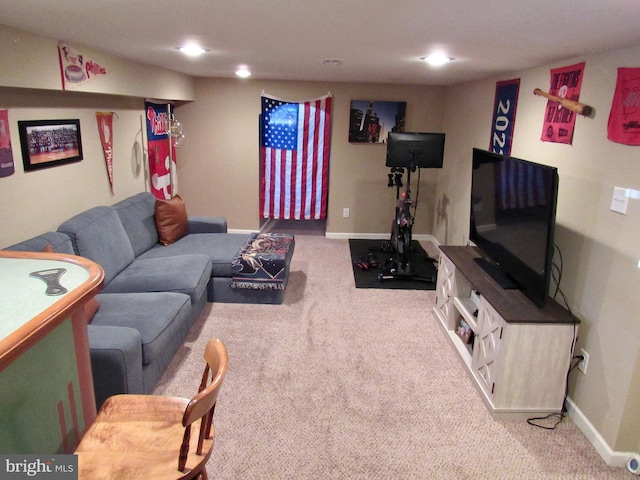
437 59
193 50
243 72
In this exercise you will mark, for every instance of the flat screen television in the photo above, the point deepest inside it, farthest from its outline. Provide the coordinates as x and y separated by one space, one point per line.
513 213
415 150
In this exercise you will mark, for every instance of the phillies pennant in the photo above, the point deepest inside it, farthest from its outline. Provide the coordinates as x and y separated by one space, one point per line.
105 129
76 68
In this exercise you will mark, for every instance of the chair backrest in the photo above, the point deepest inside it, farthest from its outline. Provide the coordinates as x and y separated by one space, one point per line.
203 404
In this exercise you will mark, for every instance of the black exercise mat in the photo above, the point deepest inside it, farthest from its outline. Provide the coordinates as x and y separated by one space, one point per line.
422 265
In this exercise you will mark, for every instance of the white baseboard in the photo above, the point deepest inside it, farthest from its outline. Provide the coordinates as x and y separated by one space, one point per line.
610 457
237 230
361 236
375 236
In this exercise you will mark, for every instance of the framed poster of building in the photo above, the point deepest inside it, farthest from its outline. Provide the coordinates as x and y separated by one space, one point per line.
370 121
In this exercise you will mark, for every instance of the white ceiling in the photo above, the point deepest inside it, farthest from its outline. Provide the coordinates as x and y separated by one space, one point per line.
378 41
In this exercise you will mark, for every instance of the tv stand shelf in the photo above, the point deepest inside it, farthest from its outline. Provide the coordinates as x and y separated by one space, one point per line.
466 307
520 354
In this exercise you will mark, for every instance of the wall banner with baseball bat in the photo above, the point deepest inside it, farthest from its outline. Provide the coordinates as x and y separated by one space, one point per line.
624 117
504 116
559 120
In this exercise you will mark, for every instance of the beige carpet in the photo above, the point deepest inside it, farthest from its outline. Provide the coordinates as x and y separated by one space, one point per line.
346 383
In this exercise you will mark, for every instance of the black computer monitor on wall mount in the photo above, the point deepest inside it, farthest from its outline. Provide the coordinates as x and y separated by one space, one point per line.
415 150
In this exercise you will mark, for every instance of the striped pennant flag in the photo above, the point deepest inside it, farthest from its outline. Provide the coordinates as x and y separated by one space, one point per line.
295 140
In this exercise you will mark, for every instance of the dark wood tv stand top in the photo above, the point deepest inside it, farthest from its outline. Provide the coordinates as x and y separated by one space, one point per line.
512 305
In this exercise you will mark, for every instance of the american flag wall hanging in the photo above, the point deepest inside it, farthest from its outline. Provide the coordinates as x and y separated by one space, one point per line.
295 140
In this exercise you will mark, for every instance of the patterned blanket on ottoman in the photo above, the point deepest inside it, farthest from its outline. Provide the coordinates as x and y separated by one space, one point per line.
261 263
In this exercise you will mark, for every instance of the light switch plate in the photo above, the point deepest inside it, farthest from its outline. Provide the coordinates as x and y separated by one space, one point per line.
620 200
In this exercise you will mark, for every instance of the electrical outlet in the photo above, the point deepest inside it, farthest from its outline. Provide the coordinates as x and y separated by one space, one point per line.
582 366
345 212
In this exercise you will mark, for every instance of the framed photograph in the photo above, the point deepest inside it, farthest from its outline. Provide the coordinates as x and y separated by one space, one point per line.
370 121
49 143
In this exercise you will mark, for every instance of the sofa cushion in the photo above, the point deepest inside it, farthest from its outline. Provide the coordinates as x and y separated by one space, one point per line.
59 242
219 247
186 274
116 361
158 316
136 214
198 224
98 235
171 220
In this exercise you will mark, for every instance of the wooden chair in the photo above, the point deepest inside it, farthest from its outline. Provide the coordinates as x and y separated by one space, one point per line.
146 436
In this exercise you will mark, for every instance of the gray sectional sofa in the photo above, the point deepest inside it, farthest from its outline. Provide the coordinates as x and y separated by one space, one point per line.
152 293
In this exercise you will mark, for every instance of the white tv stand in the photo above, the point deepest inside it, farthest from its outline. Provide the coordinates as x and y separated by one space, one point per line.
521 354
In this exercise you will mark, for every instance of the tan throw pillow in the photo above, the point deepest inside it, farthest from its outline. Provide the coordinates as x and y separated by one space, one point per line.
171 220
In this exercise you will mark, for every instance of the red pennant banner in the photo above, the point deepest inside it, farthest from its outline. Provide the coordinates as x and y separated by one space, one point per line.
105 129
624 117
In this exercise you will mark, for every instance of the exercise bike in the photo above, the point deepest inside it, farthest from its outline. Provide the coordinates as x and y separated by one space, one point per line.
401 267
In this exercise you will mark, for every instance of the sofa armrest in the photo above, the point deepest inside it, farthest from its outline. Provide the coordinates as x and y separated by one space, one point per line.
207 225
116 361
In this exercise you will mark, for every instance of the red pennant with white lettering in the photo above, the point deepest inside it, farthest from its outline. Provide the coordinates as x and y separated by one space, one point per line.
105 129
